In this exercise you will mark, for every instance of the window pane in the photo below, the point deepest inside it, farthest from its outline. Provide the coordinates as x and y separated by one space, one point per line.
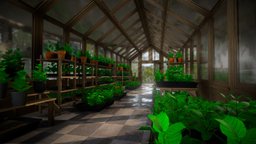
220 45
247 41
90 47
16 31
145 56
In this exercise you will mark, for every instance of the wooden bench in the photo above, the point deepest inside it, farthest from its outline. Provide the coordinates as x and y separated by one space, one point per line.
49 101
191 91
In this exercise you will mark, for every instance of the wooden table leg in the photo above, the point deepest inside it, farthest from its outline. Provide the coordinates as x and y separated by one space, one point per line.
51 113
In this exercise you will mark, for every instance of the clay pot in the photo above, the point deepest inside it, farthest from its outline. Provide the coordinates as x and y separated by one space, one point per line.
94 62
49 55
61 54
171 60
180 60
73 59
121 68
83 59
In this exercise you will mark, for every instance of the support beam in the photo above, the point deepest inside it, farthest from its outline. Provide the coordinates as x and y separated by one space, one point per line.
80 14
106 11
164 17
45 6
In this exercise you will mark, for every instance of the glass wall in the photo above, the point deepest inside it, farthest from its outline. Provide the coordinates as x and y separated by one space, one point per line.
76 42
90 47
247 41
204 52
100 51
155 55
220 44
145 56
16 31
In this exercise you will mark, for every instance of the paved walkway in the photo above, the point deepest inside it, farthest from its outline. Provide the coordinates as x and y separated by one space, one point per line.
117 124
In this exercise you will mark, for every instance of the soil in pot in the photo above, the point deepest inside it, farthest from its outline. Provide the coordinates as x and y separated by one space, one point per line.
39 87
18 98
3 90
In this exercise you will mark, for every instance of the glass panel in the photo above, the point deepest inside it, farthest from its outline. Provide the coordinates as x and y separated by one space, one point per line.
53 29
194 75
155 55
178 24
186 12
204 52
247 41
135 69
220 44
101 51
76 41
148 73
101 30
208 4
16 32
124 10
32 3
64 10
89 20
112 3
90 47
130 20
108 54
111 36
117 49
145 56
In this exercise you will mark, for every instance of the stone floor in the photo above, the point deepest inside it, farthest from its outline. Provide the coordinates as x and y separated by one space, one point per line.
117 124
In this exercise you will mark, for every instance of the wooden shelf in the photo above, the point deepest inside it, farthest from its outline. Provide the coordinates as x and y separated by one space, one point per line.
36 94
106 67
69 77
90 77
56 60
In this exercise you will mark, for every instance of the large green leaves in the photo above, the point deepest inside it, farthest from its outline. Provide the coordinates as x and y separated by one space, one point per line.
173 135
160 122
233 128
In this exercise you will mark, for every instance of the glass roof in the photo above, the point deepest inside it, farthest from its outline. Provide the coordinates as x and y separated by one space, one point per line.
112 3
124 10
101 30
64 10
186 12
89 20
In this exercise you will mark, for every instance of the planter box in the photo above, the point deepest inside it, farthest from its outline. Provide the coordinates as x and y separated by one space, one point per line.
177 84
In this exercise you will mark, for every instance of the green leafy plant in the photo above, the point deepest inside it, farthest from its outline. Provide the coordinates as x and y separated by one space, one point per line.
20 83
59 46
68 48
236 131
132 84
159 76
3 76
94 58
49 46
86 54
179 54
39 74
170 55
167 133
12 61
176 73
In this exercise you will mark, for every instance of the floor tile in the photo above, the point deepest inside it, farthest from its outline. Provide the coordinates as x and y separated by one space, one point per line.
74 139
86 129
107 130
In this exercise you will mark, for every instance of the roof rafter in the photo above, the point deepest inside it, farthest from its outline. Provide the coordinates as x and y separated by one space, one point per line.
75 19
106 11
165 5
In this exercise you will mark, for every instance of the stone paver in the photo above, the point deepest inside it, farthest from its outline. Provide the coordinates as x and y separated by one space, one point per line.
117 124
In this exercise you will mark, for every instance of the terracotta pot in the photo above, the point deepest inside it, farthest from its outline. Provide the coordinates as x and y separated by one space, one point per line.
121 68
180 60
109 65
83 59
48 55
94 62
171 60
73 59
61 54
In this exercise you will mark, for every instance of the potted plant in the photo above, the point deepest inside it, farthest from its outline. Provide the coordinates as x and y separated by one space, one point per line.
60 50
3 82
49 48
39 79
120 67
69 51
19 85
179 56
94 60
84 55
12 62
171 57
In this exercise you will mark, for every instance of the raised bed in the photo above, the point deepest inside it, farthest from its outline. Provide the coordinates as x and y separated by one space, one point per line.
177 84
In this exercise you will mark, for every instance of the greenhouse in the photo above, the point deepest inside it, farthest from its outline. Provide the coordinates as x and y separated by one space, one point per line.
128 71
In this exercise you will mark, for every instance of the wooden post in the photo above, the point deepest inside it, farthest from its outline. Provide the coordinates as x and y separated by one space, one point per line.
232 43
140 67
83 65
51 112
37 38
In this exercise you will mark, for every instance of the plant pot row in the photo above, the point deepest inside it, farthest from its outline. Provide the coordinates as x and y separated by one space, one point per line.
177 84
179 60
96 108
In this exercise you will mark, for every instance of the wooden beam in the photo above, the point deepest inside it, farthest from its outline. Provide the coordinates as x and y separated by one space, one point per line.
75 19
45 6
104 19
140 8
113 28
194 6
106 11
164 17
